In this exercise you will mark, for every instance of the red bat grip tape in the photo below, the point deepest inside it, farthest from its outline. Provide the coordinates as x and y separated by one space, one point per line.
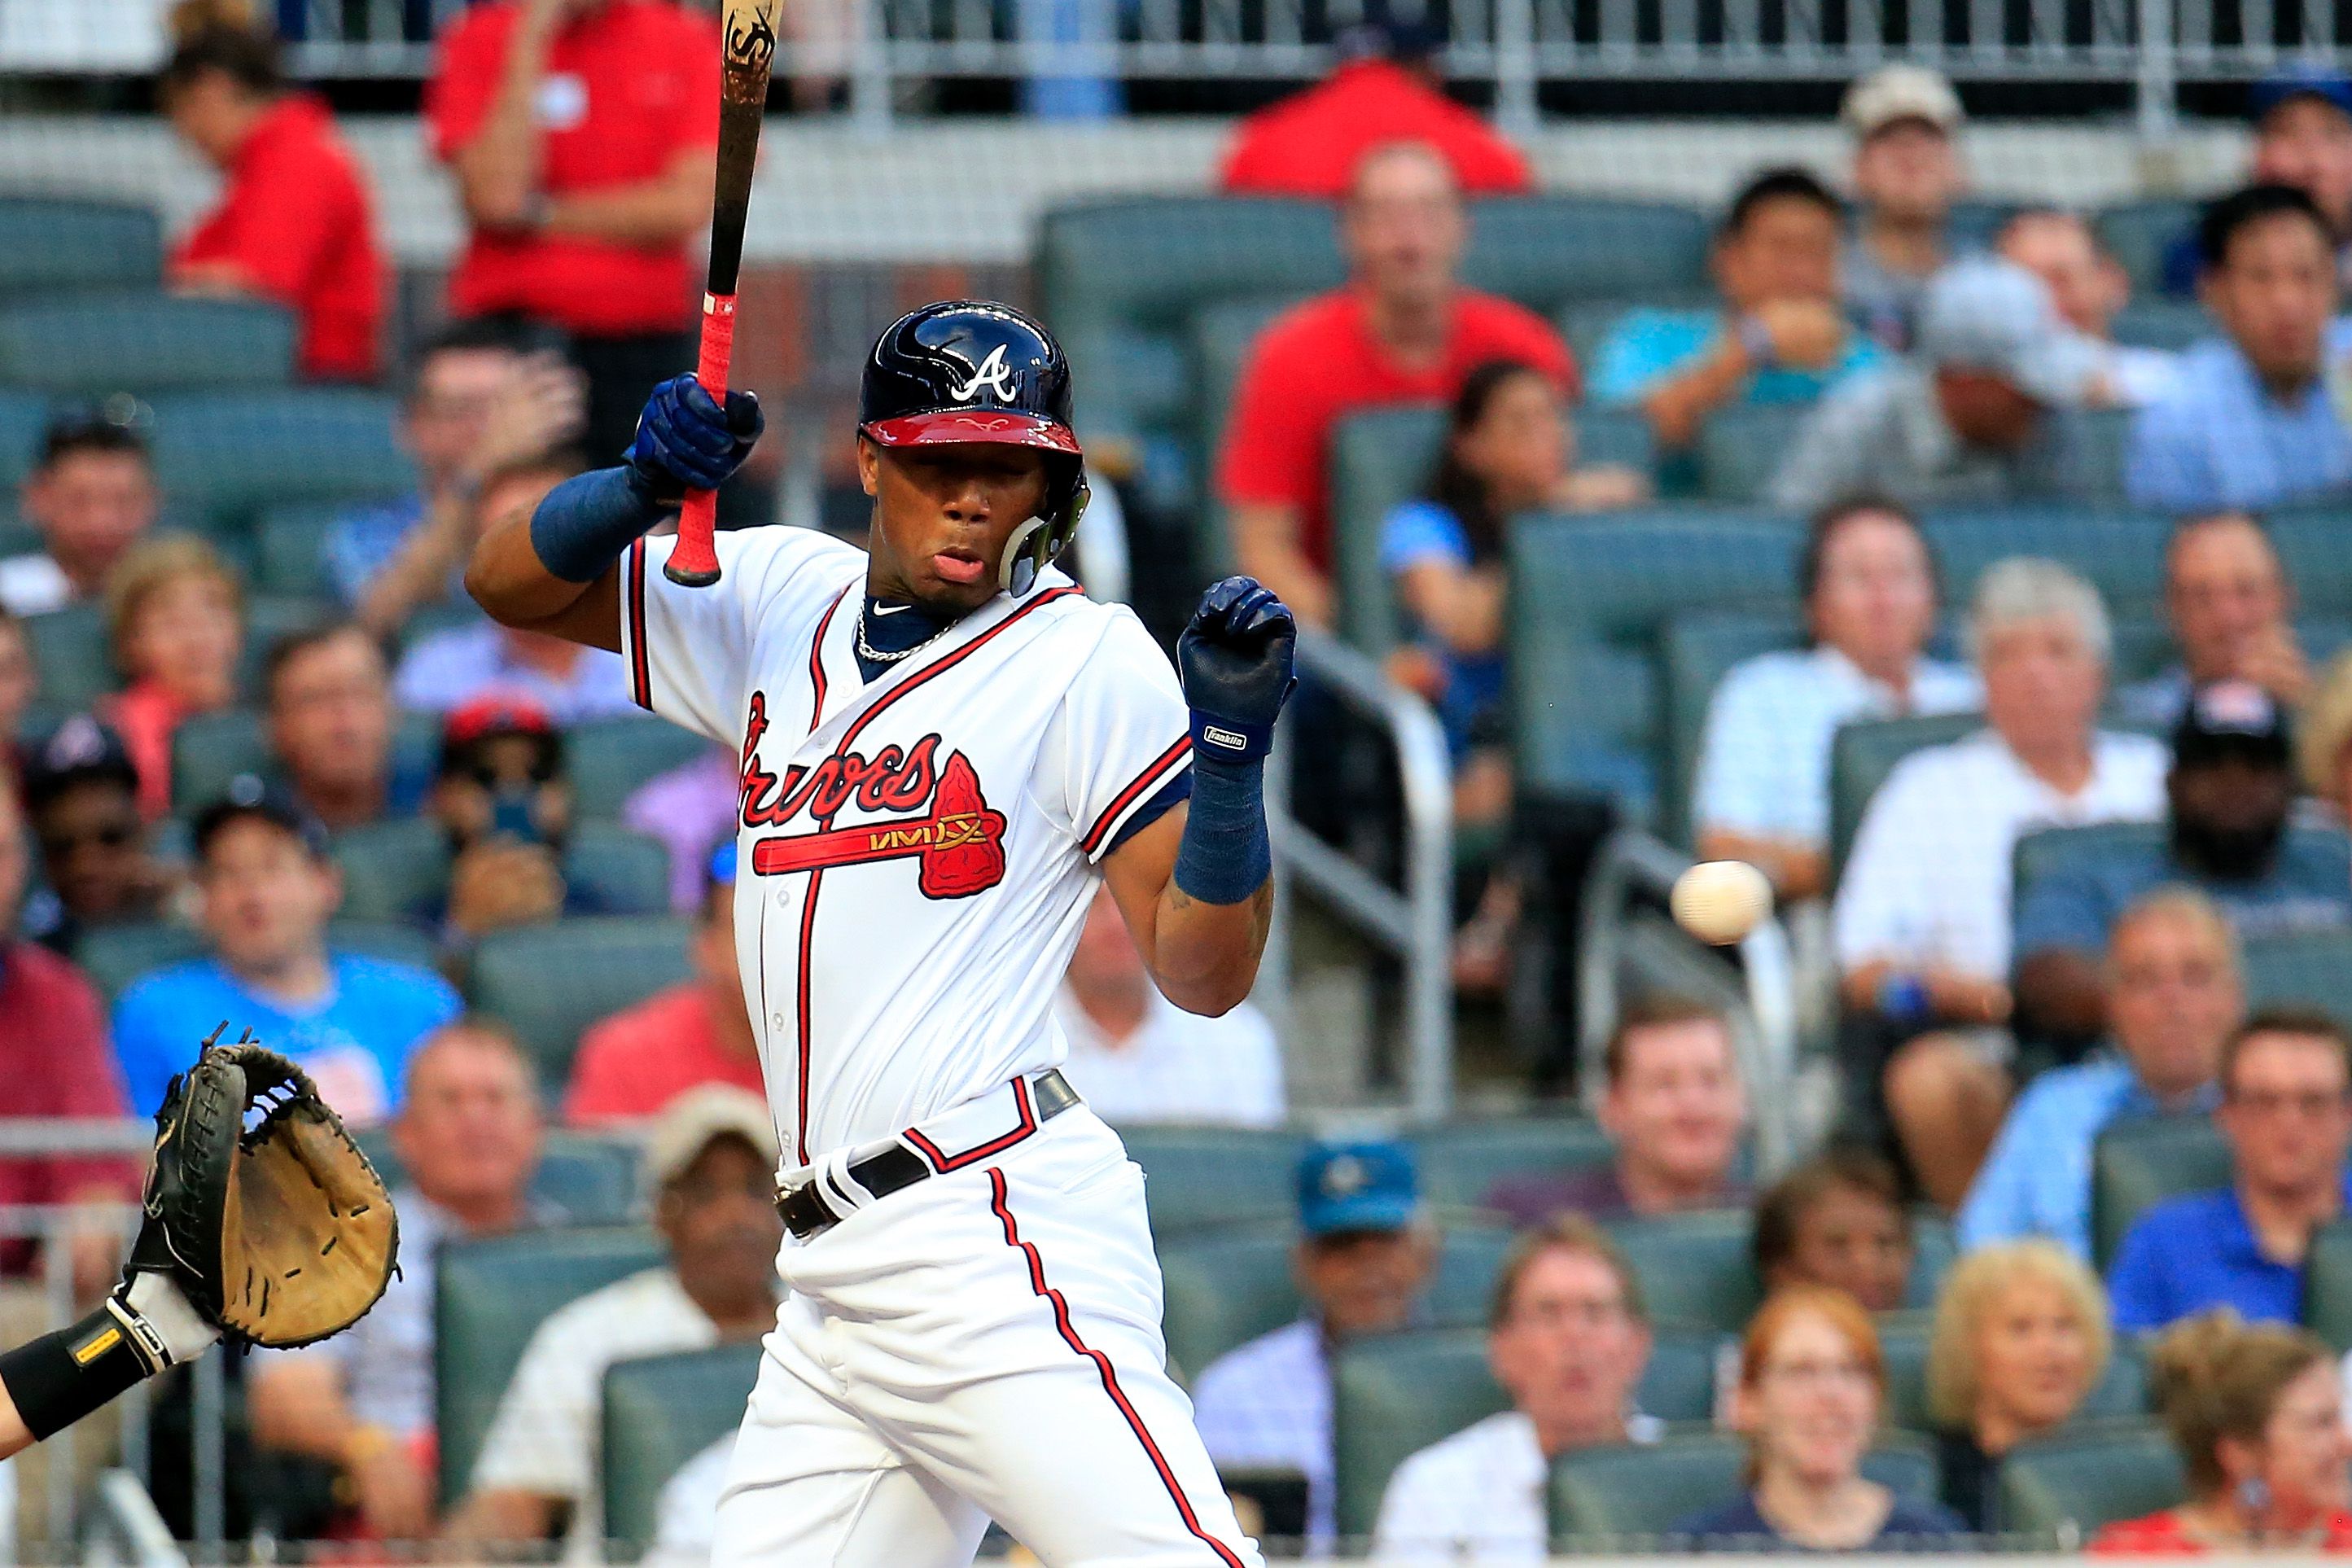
694 562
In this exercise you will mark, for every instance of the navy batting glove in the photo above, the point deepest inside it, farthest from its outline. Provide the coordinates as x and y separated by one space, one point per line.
1235 658
684 442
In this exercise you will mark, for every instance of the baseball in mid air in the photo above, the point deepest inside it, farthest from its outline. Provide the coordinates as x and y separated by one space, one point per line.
1720 901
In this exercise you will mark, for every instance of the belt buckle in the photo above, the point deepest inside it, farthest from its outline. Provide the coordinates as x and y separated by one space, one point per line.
820 1215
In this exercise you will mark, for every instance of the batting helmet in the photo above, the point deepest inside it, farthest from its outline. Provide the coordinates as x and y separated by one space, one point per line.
966 371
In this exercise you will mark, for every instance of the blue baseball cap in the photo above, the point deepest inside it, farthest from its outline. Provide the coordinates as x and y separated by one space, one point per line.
2308 79
1367 1185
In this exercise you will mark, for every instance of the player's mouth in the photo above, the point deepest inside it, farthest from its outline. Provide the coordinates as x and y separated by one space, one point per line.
958 565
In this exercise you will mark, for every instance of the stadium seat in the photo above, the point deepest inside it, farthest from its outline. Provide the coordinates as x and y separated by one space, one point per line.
2139 1163
1460 1160
609 759
2308 969
1212 1177
1615 435
1219 337
2060 1489
2162 323
549 982
115 955
291 543
1934 1250
2139 234
51 245
1696 1269
2120 552
582 1178
1700 648
399 869
208 749
23 419
2121 1391
627 871
1740 449
2327 1285
1630 1495
1380 459
659 1412
2310 545
75 657
229 456
1549 250
490 1297
88 346
1861 756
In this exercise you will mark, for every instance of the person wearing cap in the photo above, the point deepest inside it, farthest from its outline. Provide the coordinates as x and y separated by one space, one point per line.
2174 990
1906 174
710 1161
696 1032
1385 88
2089 288
327 697
267 889
1567 1339
1364 1256
1976 414
2231 610
1779 337
2230 793
2255 421
98 864
504 801
1920 926
91 495
467 1137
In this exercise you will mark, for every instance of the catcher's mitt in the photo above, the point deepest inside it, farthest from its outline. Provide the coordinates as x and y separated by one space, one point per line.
280 1233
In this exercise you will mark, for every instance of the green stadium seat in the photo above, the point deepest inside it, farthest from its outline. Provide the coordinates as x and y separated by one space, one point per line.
1460 1161
2308 969
1740 449
399 869
115 955
2139 234
1380 459
75 657
2327 1285
92 344
1700 649
2162 323
1934 1250
1861 756
1612 1499
51 245
1547 251
209 750
659 1412
1975 221
1696 1269
24 419
609 759
291 544
489 1296
628 871
269 617
2063 1488
232 455
549 982
1203 1177
2140 1163
582 1178
2120 552
2310 545
1619 436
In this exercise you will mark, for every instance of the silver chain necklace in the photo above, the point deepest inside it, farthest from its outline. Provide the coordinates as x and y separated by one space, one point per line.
867 651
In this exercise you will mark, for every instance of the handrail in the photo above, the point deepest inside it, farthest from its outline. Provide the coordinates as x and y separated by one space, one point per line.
1416 923
127 1517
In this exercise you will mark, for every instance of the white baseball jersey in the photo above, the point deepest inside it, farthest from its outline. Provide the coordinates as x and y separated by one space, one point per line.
915 855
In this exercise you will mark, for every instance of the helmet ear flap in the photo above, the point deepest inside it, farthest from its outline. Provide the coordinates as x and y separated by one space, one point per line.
1036 542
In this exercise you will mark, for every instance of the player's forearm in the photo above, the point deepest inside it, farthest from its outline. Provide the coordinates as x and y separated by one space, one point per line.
1205 956
594 516
14 1436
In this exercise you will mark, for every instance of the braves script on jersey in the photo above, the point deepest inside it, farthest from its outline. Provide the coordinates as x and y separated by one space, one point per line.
918 847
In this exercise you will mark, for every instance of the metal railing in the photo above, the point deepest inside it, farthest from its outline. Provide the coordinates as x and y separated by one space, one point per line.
127 1531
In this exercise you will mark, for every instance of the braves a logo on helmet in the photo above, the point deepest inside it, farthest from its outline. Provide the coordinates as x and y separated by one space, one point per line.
942 819
993 373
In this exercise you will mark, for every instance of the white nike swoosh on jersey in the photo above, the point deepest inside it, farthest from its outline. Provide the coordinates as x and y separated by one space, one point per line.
882 609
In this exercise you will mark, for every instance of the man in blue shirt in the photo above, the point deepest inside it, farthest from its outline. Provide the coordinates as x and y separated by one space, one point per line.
269 889
2286 1111
2254 421
2175 995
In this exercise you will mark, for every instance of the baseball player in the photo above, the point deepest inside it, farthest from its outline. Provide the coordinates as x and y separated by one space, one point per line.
944 743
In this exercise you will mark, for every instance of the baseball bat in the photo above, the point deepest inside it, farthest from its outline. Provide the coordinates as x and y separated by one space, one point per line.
751 52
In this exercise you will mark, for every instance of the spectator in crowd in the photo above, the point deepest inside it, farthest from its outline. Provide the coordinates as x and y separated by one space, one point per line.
2252 423
2257 1412
2019 1340
91 494
2173 994
1761 792
581 132
1567 1340
685 1514
2301 117
1386 87
1921 923
1403 330
2286 1111
698 1031
2089 288
175 616
502 797
1138 1057
467 1137
711 1161
1979 411
294 224
1812 1382
2231 611
692 810
1837 1220
54 1051
1906 174
20 683
329 700
1779 337
2231 790
1674 1107
450 669
1364 1255
268 888
81 799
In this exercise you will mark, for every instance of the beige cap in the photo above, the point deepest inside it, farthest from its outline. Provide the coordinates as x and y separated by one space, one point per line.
688 1123
1901 93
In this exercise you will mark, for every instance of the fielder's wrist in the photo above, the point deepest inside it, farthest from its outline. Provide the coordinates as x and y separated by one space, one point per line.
145 1326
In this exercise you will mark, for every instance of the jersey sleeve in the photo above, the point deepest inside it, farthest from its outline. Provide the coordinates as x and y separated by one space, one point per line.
1122 737
687 651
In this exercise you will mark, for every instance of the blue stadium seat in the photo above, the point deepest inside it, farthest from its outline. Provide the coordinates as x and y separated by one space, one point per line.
229 456
53 245
1460 1160
2162 323
93 344
24 417
2327 1285
2120 552
208 749
2302 969
1380 459
582 1178
75 657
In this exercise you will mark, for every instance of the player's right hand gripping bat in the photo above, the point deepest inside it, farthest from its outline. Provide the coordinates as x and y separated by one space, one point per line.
751 52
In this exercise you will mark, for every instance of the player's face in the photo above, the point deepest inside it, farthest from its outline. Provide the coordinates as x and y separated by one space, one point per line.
942 516
331 713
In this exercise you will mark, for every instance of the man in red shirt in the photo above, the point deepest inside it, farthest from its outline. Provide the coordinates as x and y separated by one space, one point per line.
697 1031
1402 329
294 224
581 135
1385 89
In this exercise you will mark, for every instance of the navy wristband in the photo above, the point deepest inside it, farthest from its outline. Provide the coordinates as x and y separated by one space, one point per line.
1228 739
1224 856
588 520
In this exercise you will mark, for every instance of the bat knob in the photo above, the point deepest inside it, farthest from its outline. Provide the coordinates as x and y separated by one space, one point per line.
690 576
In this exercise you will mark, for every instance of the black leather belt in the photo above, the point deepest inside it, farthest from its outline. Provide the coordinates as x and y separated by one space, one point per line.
807 1211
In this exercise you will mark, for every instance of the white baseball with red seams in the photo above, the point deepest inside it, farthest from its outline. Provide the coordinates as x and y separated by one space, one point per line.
916 855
